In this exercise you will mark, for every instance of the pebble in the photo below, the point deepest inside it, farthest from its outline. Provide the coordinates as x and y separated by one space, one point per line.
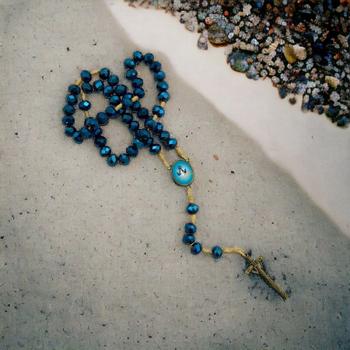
302 46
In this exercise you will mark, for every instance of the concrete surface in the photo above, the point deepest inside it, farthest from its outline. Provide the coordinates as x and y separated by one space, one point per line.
91 257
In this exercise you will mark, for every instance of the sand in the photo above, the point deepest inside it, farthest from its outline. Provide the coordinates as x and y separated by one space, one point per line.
91 257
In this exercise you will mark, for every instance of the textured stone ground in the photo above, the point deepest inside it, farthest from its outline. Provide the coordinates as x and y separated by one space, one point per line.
91 258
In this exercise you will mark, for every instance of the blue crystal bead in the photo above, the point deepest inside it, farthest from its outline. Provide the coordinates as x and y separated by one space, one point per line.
134 125
148 58
85 75
127 101
120 90
164 96
217 252
127 118
100 141
111 112
91 122
171 143
159 76
190 228
104 73
74 89
137 83
182 173
164 135
84 105
77 137
196 248
138 144
139 92
155 148
131 74
162 86
188 239
68 109
102 118
150 123
136 106
158 111
68 120
107 91
69 130
98 85
158 128
105 151
113 80
87 88
132 151
85 132
155 66
114 100
71 99
142 113
192 208
124 159
129 63
112 160
138 56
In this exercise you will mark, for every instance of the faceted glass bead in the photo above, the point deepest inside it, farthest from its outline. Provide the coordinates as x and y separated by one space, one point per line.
137 83
127 118
129 63
91 122
71 99
148 58
84 105
131 74
192 208
87 88
155 148
112 160
139 92
132 151
138 56
85 132
162 86
158 127
182 173
142 113
98 85
69 130
107 91
217 252
158 110
68 120
74 89
77 137
68 109
159 76
120 90
136 106
114 100
124 159
134 125
102 118
150 123
196 248
164 96
171 143
188 239
105 151
100 141
104 73
111 112
113 80
164 135
190 228
85 75
156 66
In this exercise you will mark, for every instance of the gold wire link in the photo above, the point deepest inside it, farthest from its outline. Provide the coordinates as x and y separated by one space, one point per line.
193 218
163 104
164 160
78 82
190 197
95 71
155 117
119 106
234 250
181 153
134 98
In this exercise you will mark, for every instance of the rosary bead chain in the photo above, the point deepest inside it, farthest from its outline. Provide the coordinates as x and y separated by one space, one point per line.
125 104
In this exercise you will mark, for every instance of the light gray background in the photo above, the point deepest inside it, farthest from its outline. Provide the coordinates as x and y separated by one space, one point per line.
91 257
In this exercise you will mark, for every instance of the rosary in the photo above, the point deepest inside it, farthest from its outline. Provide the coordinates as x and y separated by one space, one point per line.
123 105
